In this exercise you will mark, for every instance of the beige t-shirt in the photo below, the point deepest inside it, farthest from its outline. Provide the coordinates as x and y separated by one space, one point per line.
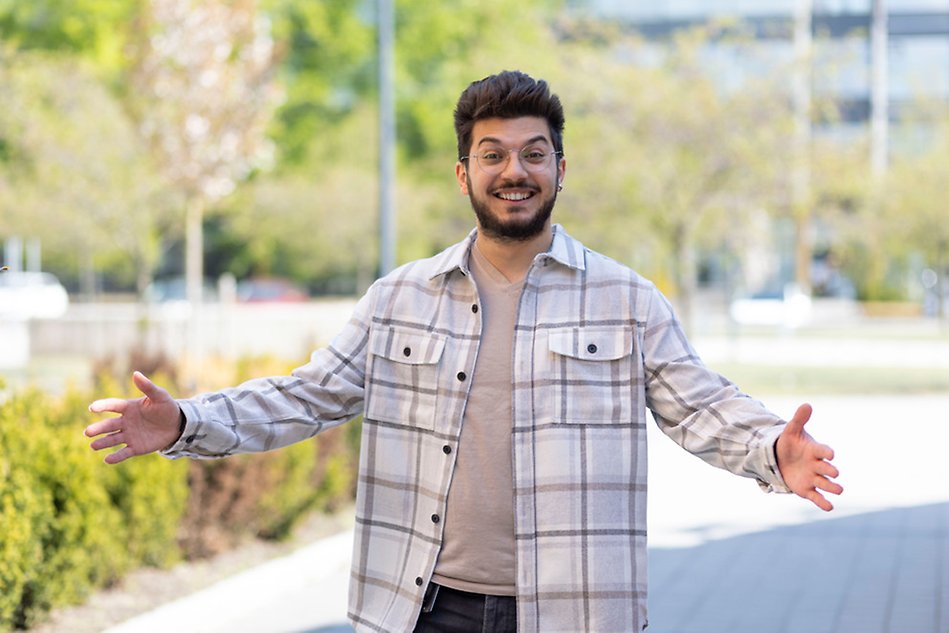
478 539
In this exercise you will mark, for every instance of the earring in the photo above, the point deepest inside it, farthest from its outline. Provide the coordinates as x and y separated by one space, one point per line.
559 187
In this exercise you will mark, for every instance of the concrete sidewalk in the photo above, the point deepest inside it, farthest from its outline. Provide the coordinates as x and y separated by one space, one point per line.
881 572
724 558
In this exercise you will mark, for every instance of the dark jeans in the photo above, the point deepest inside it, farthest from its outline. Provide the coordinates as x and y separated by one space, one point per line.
447 610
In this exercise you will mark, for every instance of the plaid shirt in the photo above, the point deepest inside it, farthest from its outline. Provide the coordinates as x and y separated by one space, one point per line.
595 345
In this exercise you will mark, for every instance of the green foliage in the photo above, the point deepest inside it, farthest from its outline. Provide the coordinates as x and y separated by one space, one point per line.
71 524
91 28
291 494
267 494
151 494
23 517
327 69
67 524
68 187
657 147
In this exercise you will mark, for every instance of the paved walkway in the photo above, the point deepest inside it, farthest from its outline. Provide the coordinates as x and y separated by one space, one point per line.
724 558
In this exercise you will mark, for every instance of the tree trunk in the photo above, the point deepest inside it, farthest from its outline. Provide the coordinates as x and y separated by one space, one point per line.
194 280
941 280
683 270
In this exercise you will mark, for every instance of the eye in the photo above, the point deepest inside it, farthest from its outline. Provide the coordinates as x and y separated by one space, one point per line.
533 155
492 156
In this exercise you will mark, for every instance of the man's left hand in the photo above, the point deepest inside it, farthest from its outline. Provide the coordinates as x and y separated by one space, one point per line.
804 463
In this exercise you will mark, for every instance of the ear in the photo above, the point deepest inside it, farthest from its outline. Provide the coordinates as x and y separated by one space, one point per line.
461 173
561 171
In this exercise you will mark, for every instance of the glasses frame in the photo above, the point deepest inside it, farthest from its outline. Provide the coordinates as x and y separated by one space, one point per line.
500 167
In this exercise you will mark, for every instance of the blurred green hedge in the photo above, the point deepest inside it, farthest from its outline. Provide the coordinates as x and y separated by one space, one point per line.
70 524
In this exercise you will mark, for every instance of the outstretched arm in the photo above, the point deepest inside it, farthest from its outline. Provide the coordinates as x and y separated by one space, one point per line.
144 425
804 463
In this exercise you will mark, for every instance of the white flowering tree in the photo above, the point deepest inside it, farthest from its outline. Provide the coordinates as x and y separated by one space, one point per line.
202 92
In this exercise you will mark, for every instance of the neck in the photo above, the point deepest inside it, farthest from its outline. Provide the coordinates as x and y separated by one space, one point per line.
513 258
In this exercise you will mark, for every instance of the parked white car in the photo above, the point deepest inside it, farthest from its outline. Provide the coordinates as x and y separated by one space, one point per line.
31 296
788 307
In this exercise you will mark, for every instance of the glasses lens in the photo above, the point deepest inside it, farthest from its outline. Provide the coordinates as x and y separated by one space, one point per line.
494 160
533 158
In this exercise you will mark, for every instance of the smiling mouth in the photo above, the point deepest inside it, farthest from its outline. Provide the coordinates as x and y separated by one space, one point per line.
514 196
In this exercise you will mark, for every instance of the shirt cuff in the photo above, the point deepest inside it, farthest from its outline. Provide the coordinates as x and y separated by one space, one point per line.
179 448
770 479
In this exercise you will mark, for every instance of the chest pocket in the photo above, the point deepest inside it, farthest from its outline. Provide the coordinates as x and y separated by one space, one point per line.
591 375
403 376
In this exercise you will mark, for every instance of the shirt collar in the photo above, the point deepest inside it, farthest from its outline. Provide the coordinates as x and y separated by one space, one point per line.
564 250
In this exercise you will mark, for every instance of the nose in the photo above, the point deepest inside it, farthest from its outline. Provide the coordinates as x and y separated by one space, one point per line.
513 169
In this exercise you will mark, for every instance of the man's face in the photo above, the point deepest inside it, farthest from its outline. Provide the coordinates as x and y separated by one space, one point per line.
514 201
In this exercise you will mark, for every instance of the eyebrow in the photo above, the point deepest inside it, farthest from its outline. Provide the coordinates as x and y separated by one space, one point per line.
491 139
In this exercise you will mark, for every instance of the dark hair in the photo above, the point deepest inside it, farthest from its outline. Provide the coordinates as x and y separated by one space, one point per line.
507 95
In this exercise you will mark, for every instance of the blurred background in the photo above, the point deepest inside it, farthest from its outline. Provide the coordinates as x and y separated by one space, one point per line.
784 161
202 188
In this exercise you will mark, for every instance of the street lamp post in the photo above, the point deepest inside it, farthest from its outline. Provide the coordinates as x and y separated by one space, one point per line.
386 17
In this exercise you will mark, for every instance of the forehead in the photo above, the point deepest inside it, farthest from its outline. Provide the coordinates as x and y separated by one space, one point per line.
512 132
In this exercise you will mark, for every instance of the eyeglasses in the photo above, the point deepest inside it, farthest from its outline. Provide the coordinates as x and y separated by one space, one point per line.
494 160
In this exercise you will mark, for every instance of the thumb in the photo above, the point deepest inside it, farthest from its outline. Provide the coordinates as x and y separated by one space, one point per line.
147 387
801 416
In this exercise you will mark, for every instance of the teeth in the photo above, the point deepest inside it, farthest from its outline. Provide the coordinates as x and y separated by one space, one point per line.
514 197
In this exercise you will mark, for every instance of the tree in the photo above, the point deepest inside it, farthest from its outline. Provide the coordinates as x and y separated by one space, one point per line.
92 29
327 68
669 153
203 96
96 203
914 204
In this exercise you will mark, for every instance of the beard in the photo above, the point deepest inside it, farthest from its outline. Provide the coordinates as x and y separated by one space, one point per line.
516 229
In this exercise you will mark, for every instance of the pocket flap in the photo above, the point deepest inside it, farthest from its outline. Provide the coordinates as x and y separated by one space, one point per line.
410 347
592 343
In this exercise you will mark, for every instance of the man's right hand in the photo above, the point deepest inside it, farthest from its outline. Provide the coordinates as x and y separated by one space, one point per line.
144 425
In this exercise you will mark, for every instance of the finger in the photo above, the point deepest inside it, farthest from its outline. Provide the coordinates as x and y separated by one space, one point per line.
119 456
147 387
822 451
818 500
829 486
109 405
107 441
827 470
801 416
105 426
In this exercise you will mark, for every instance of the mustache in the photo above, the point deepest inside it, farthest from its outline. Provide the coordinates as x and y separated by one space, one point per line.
521 183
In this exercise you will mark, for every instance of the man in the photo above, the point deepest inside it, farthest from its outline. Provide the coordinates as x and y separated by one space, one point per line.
504 385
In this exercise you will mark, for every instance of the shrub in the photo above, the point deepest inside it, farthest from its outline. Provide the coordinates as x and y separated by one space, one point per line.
265 495
71 523
22 521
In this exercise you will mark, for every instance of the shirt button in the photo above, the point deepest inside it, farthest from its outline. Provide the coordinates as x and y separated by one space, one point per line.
591 348
407 351
462 376
418 581
474 308
436 518
446 449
